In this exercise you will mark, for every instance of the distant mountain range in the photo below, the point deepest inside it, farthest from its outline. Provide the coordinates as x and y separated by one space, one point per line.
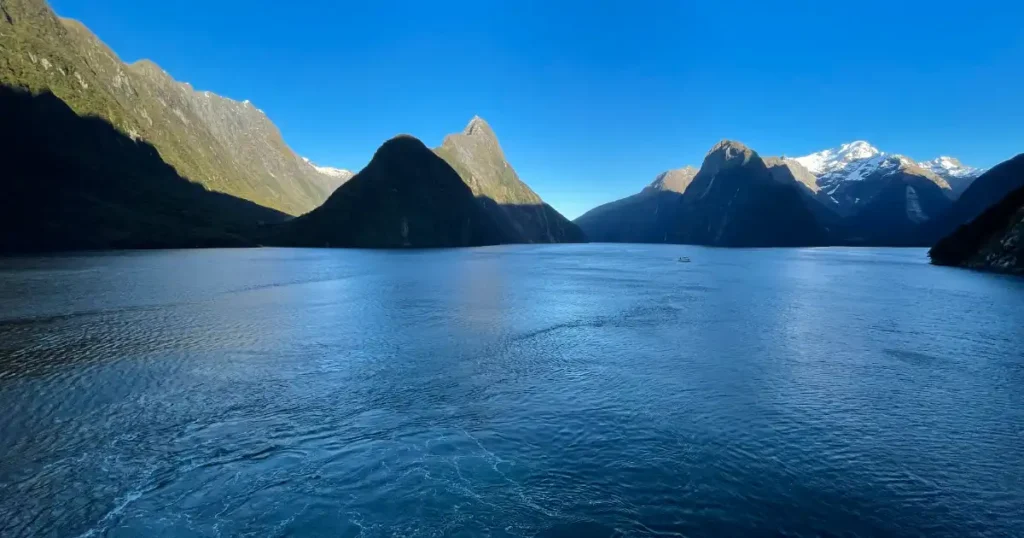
102 154
858 194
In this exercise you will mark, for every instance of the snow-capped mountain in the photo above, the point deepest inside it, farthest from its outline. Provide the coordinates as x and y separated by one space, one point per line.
338 173
959 175
950 166
837 169
839 159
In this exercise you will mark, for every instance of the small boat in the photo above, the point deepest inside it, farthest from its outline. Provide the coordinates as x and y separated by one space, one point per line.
684 259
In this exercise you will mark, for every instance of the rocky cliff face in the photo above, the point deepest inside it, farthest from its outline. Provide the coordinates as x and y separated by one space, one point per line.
524 218
406 197
227 146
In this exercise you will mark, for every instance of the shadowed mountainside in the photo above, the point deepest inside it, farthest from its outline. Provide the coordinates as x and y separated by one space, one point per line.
735 202
523 217
227 146
993 242
406 196
984 192
994 239
74 182
649 216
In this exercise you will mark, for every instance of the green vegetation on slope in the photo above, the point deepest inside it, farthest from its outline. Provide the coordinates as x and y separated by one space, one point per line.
226 146
73 182
524 218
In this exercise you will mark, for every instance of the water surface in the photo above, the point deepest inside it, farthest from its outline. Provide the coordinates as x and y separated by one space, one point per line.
585 390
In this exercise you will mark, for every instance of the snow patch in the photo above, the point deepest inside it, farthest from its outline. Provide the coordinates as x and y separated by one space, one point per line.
329 171
947 167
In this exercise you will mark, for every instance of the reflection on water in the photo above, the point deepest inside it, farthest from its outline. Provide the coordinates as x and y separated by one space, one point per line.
583 390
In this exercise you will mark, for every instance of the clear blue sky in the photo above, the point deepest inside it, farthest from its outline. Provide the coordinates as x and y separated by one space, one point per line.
592 99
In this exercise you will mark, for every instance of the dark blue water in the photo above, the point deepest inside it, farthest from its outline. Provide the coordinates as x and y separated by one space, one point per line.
590 390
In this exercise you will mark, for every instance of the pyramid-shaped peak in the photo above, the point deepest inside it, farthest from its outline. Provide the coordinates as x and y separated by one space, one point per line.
478 126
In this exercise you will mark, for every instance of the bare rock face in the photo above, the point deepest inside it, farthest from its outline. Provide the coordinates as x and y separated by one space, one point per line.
786 170
479 160
676 180
224 145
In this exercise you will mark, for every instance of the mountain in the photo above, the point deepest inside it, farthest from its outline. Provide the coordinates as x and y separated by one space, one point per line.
986 191
734 201
901 205
523 217
852 174
406 196
790 171
677 180
958 175
332 177
225 145
649 216
994 241
72 182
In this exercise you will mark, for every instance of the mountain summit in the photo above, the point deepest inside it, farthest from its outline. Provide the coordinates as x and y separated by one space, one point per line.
405 197
836 159
479 160
733 200
839 170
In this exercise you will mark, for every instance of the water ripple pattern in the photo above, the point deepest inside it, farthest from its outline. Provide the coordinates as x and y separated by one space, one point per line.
535 391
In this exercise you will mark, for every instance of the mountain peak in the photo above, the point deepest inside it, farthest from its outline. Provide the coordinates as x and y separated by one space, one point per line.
478 126
729 151
858 149
729 145
833 159
676 180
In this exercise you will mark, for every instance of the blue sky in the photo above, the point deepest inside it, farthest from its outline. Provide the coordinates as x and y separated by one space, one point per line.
592 99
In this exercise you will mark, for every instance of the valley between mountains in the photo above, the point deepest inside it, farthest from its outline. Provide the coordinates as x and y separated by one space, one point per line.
100 154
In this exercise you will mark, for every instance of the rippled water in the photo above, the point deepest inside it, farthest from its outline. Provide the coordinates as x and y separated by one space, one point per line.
590 390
